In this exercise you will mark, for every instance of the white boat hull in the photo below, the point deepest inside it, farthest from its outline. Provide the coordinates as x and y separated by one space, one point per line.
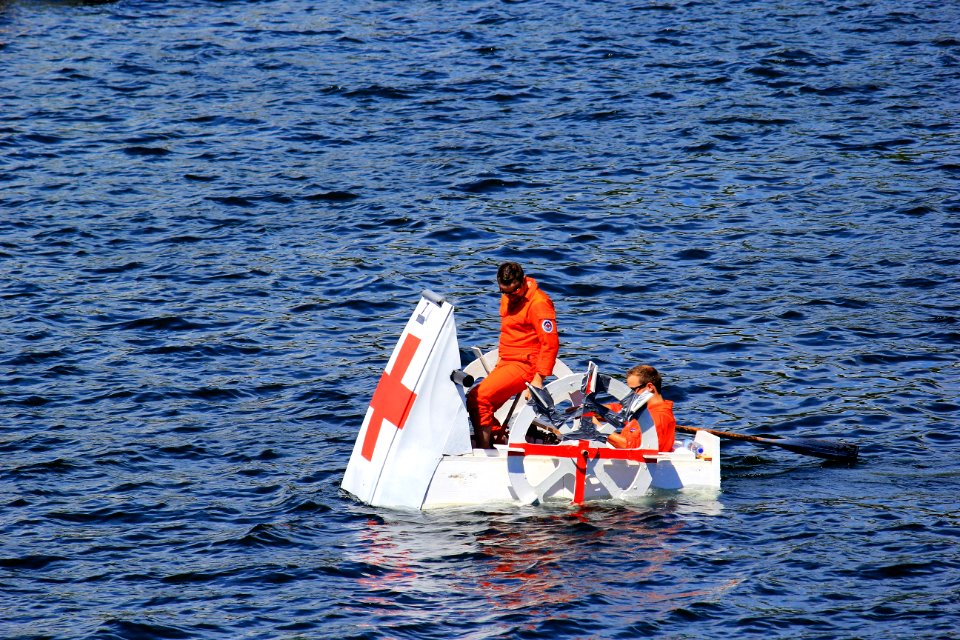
484 475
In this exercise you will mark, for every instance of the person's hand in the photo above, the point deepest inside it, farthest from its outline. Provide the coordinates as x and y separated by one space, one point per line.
537 382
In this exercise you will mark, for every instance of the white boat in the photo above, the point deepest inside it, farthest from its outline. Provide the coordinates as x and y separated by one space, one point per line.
414 449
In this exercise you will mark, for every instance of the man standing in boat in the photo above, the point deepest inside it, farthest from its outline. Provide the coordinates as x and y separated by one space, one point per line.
529 343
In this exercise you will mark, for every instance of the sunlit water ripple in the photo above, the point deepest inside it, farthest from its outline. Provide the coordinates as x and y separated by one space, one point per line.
216 217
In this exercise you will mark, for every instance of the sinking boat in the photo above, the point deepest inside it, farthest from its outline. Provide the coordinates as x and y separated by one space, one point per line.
414 448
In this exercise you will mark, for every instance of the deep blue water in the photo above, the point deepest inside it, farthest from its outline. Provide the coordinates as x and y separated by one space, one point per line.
215 218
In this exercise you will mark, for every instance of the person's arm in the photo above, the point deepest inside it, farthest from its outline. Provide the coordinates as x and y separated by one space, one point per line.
545 324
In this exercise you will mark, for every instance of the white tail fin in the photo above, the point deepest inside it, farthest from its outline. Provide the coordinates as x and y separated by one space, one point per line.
590 380
417 413
587 387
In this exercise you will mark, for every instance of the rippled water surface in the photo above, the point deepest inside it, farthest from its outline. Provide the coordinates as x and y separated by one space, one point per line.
215 219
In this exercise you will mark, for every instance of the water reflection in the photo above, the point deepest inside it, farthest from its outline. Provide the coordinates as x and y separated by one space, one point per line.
542 561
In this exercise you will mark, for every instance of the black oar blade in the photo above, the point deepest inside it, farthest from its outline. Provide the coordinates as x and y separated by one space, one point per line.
842 451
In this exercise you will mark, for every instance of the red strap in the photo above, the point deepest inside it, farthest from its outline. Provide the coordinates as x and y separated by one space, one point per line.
580 453
577 451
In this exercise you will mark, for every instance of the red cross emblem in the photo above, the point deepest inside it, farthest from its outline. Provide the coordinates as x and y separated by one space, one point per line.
391 401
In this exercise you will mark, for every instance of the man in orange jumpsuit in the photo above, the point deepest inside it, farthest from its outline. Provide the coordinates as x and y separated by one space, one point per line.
645 378
528 350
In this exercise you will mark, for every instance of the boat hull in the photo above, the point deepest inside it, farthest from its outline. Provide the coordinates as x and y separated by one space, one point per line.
508 475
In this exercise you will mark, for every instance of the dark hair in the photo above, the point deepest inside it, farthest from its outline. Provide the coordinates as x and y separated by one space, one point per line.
647 374
510 273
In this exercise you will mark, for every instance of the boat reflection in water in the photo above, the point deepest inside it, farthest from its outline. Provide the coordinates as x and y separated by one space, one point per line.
547 561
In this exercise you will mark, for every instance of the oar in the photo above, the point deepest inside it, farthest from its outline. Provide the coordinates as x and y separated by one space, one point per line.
843 451
516 399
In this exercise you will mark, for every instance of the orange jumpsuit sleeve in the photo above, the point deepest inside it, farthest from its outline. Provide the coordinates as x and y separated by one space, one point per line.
544 320
665 423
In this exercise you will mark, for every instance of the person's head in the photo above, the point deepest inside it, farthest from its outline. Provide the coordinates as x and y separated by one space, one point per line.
641 376
510 277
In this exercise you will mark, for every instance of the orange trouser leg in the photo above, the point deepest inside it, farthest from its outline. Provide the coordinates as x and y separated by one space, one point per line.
506 380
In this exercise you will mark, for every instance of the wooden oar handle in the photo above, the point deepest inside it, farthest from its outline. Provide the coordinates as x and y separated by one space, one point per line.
723 434
844 451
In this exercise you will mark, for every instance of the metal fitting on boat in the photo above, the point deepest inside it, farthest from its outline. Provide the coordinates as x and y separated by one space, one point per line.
461 378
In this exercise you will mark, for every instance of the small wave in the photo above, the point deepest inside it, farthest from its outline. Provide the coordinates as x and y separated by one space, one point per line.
654 7
22 290
801 58
188 451
804 424
509 97
135 69
159 323
900 570
123 268
894 358
693 254
766 72
194 177
43 138
34 357
700 148
309 506
232 201
331 196
710 322
146 151
765 122
36 443
184 239
30 562
266 455
948 408
751 46
453 234
605 114
917 211
839 90
261 535
116 628
311 306
377 91
120 394
727 347
32 400
491 185
923 284
206 350
215 393
137 514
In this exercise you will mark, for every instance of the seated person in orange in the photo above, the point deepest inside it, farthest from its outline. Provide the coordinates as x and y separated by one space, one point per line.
528 350
645 378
